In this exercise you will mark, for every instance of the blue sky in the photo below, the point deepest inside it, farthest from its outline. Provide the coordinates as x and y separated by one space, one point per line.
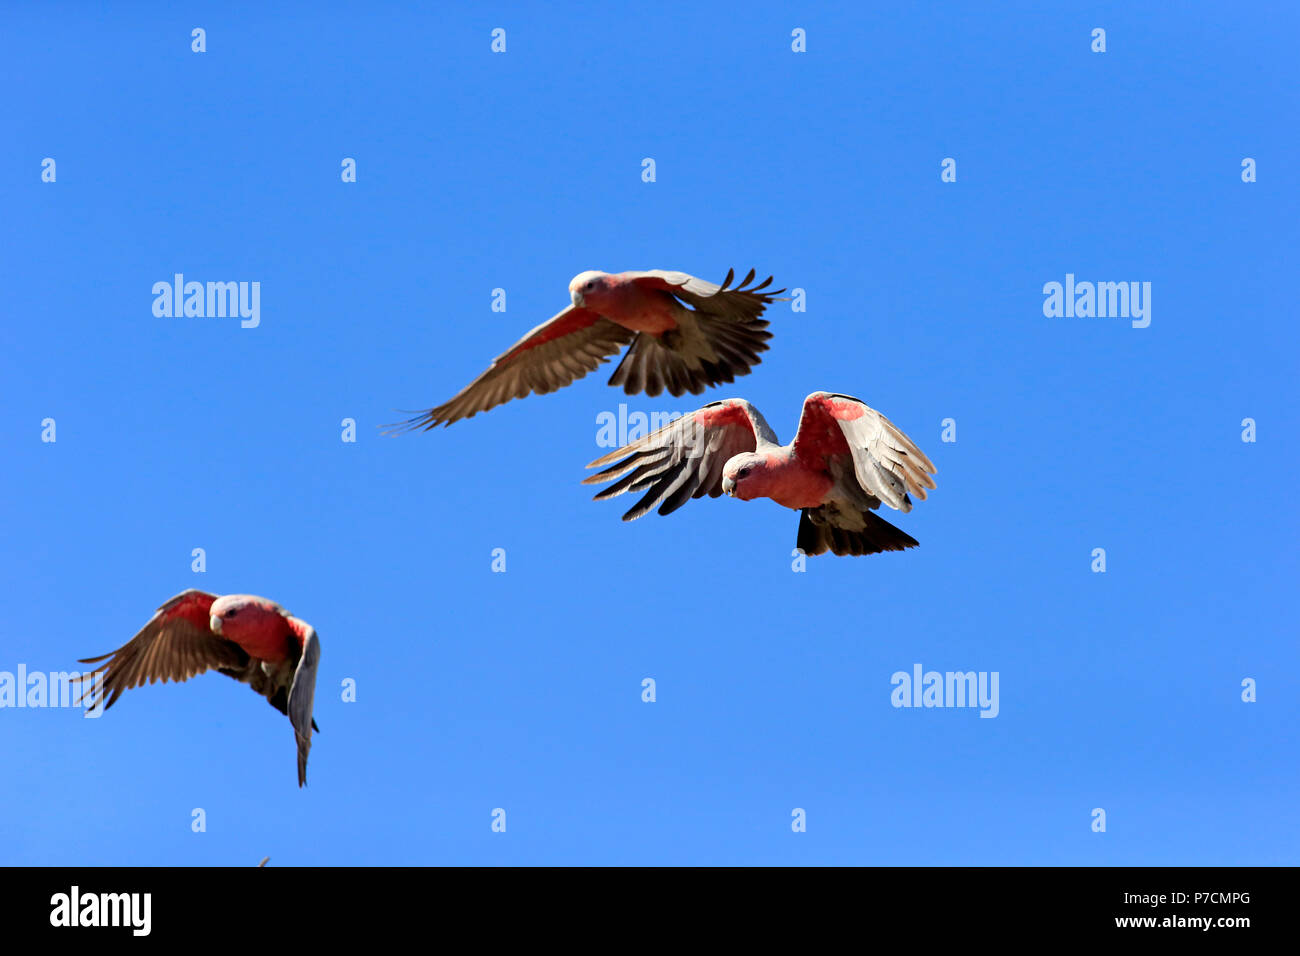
479 690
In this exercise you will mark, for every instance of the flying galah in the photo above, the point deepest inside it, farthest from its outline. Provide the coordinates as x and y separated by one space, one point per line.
845 460
245 637
674 347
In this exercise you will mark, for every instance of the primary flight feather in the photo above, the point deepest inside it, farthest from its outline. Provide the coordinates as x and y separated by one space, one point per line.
685 335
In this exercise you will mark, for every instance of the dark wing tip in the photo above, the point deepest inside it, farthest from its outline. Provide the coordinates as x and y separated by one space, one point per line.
421 421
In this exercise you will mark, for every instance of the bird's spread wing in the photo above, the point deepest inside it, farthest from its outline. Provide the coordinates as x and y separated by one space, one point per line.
886 463
175 645
684 459
737 303
553 355
303 692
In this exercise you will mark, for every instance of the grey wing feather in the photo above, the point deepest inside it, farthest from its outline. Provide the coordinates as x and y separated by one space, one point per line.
886 463
536 369
301 698
740 302
170 647
680 461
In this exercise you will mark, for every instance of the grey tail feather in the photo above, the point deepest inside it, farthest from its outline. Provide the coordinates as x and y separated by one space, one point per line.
280 700
652 364
879 535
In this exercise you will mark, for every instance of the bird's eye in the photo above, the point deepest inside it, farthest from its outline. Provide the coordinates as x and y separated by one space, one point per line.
589 286
232 612
742 473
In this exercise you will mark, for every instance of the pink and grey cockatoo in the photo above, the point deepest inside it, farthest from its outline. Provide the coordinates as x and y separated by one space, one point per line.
844 461
245 637
674 347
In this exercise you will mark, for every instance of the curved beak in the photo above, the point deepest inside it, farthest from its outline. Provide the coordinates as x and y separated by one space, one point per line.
214 623
577 298
729 487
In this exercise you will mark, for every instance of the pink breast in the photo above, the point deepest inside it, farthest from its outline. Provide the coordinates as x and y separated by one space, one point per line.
267 639
797 486
638 309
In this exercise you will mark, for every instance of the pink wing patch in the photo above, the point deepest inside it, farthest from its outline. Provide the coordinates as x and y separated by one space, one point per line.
886 463
843 409
820 435
564 324
723 415
300 629
192 606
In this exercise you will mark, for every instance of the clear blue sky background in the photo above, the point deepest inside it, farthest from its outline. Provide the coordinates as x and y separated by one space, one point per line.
522 690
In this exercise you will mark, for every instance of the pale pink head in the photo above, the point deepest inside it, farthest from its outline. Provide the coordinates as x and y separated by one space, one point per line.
745 476
588 286
237 616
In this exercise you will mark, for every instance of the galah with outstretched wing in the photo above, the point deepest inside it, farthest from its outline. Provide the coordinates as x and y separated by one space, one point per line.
844 461
242 636
674 347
